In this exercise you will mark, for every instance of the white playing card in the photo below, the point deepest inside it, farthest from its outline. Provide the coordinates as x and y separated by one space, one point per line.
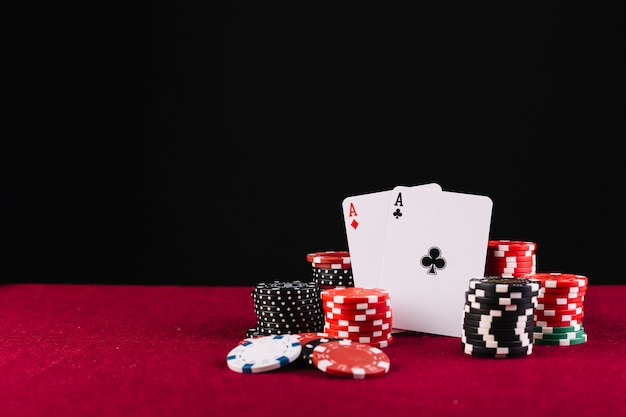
435 242
365 218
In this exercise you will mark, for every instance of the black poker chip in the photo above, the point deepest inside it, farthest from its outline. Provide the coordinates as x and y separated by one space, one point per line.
505 284
307 348
503 352
286 288
517 318
331 273
500 324
498 301
496 310
495 343
513 294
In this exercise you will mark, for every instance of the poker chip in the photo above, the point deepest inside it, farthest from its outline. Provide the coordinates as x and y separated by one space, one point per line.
264 354
559 336
511 245
356 328
355 295
359 306
329 257
350 359
331 265
557 329
558 280
505 286
563 342
284 288
500 352
308 347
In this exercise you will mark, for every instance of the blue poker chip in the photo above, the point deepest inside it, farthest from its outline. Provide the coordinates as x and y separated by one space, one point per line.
263 354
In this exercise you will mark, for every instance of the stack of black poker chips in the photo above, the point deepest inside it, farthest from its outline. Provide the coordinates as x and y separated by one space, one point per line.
287 307
498 317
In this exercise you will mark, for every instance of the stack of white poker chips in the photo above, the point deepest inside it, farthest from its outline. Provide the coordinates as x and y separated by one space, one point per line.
510 258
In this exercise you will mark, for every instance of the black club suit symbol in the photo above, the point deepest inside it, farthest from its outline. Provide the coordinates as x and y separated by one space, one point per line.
397 214
433 260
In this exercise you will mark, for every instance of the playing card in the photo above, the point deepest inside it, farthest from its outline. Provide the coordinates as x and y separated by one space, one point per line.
435 242
365 218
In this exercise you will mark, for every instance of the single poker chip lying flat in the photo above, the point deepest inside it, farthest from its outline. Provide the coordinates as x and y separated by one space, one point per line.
350 359
263 354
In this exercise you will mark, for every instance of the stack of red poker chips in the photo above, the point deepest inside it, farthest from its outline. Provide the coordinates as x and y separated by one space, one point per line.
560 309
362 315
331 269
510 258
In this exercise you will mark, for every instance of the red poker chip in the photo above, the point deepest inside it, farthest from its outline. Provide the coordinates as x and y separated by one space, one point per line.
351 360
306 337
358 306
352 311
358 317
327 265
500 254
344 322
354 295
511 275
559 280
361 337
383 343
357 328
329 257
511 245
559 312
574 292
558 321
510 262
490 269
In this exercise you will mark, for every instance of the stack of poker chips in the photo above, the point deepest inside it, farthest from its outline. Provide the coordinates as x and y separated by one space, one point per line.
331 269
560 309
359 314
498 317
286 307
510 258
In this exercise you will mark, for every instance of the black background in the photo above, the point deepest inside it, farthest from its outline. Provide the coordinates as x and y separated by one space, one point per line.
213 145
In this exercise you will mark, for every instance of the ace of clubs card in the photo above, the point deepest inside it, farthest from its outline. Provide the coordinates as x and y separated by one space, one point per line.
435 242
365 218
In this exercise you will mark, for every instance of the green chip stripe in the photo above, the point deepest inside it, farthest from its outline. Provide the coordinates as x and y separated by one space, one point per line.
561 342
558 336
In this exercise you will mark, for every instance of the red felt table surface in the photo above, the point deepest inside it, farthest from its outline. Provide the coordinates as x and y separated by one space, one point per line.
114 350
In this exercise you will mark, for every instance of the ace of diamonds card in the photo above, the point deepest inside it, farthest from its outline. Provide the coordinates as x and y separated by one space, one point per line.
435 242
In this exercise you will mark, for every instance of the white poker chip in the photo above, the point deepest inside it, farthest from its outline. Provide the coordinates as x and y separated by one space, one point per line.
262 354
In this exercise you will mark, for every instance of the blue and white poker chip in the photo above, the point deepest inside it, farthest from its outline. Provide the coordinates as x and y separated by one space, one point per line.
266 353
